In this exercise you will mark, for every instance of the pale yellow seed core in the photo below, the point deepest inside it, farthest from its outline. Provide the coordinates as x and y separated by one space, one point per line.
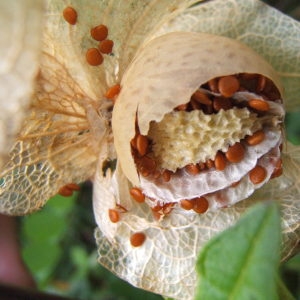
183 137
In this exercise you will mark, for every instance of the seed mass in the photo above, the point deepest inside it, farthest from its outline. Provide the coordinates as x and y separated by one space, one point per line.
245 97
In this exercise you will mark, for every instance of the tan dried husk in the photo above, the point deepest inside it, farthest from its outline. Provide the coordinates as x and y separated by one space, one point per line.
21 23
156 82
67 123
68 119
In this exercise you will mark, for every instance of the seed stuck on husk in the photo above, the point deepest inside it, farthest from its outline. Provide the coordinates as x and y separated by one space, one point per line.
137 239
70 15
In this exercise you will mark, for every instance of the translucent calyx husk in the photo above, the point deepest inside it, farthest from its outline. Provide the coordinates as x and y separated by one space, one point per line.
163 75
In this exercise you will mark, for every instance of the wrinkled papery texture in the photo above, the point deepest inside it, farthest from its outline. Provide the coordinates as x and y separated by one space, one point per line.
165 264
67 127
21 23
67 130
174 243
271 33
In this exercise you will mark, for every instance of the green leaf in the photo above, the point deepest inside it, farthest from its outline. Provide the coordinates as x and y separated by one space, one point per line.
242 262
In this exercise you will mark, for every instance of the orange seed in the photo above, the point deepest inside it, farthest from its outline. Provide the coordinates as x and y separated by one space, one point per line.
146 165
112 92
222 103
257 174
187 204
70 15
220 161
200 205
106 46
192 169
166 175
137 239
114 215
261 83
235 153
255 138
210 163
99 33
258 104
65 191
181 107
94 57
142 144
228 85
213 85
137 195
201 98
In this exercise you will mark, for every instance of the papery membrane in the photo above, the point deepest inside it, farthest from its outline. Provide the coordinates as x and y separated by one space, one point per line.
175 241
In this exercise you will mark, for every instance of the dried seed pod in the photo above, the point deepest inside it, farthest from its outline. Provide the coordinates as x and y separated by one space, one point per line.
222 106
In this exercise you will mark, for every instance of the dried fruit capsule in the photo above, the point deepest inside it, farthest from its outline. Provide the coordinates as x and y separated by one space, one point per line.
137 195
137 239
70 15
94 57
186 128
257 174
235 153
114 215
99 33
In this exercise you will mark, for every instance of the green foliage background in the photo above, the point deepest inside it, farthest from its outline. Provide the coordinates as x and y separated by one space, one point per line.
59 248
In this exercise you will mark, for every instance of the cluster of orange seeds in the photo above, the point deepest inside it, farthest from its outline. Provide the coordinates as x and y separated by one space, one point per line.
199 204
94 56
219 96
209 103
99 33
